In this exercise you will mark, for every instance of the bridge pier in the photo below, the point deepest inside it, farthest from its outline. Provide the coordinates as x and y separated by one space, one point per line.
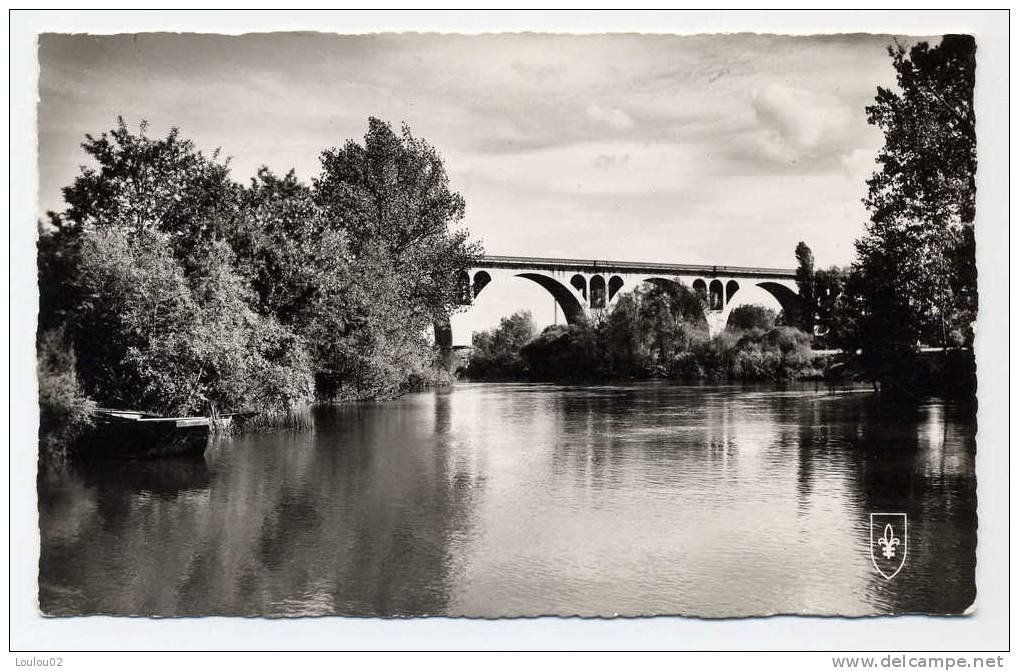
716 321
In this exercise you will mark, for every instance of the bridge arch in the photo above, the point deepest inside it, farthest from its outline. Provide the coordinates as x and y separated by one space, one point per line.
700 287
579 282
481 280
731 287
615 284
598 292
567 300
716 300
786 297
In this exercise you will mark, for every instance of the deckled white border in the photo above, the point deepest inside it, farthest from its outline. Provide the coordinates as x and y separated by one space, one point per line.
986 629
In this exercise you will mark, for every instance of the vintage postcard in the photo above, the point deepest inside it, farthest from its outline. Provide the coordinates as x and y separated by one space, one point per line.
507 325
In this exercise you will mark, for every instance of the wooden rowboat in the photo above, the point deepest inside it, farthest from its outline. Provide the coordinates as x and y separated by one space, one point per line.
130 434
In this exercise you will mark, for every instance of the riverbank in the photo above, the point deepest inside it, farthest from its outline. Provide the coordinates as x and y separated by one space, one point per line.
646 338
586 353
949 375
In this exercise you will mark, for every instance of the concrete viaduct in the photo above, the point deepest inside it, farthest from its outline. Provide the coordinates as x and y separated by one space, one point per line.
582 287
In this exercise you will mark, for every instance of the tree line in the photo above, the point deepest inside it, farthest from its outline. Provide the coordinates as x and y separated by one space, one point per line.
167 286
655 331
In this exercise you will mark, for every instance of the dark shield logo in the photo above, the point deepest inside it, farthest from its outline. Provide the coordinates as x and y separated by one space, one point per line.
889 541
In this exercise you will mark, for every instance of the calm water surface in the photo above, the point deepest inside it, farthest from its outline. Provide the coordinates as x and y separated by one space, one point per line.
526 499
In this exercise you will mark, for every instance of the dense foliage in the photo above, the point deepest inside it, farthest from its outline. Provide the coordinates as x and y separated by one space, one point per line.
804 317
777 353
656 331
914 280
638 338
748 317
820 291
495 353
65 410
177 290
391 198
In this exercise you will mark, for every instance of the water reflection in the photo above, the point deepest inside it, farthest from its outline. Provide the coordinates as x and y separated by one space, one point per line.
531 499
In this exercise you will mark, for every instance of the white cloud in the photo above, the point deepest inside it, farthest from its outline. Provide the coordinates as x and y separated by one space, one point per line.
610 116
797 123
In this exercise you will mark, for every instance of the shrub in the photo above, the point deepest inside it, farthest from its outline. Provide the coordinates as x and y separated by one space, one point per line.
496 352
64 408
561 353
150 337
747 317
657 332
777 354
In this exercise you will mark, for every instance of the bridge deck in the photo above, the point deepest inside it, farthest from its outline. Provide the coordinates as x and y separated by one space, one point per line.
593 265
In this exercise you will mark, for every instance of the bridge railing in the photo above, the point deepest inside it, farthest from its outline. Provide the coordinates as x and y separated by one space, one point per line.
595 265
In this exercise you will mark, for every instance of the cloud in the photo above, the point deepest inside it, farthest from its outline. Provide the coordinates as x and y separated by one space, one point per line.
795 123
610 116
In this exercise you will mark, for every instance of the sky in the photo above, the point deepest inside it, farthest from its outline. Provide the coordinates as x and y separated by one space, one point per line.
714 149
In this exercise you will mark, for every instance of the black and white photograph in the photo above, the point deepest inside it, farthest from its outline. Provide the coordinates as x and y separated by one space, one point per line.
412 324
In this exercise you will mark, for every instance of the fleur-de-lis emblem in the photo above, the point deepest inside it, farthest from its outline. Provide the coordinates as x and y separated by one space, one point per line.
888 542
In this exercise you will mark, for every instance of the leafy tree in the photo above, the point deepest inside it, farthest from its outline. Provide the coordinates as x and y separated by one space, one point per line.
818 290
180 289
496 352
392 194
562 352
285 248
781 353
748 317
642 336
828 287
142 183
915 270
138 273
137 184
669 317
805 285
621 347
390 197
146 339
64 408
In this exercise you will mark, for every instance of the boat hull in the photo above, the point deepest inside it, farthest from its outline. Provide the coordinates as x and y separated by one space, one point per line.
120 437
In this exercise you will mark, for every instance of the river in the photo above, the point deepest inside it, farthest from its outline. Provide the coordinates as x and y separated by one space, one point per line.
531 499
